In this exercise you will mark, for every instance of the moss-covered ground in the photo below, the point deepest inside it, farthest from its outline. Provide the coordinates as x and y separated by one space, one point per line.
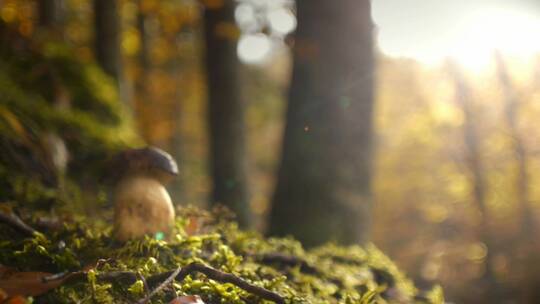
327 274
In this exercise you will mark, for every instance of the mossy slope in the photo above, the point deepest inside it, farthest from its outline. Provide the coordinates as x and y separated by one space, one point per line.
328 274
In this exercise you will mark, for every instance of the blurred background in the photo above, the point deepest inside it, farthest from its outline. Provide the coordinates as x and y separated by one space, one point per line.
423 113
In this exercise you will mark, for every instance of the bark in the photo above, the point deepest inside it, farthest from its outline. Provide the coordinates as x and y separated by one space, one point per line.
225 113
107 37
178 136
511 107
475 166
51 13
527 237
142 96
323 190
51 20
144 52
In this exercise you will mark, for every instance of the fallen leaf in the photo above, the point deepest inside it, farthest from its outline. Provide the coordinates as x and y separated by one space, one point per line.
27 283
187 300
3 295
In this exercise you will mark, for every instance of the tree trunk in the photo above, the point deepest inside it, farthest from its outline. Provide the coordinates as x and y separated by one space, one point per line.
475 167
142 96
323 187
528 241
144 51
225 112
107 38
51 19
50 13
511 107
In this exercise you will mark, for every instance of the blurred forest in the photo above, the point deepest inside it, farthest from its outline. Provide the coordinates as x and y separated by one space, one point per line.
452 173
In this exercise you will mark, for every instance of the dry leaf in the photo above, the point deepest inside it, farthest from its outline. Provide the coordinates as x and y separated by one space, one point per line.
3 295
26 283
187 300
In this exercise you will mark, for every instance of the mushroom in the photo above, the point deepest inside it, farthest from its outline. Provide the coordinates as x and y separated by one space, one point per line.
142 205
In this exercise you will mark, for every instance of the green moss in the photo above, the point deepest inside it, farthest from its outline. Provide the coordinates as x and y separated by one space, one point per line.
335 274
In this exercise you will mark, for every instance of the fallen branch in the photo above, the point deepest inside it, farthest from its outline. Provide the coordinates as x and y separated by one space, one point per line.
219 276
15 222
163 279
161 286
62 276
145 285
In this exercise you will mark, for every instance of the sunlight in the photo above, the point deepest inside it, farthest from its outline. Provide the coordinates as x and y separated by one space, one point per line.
254 48
467 33
512 32
282 21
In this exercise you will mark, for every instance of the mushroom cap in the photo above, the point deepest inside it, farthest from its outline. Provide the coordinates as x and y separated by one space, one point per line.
159 159
147 161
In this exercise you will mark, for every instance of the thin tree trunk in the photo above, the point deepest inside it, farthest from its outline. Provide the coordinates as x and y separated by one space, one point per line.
51 19
107 38
511 107
527 238
144 52
475 167
51 13
142 96
323 190
225 113
177 139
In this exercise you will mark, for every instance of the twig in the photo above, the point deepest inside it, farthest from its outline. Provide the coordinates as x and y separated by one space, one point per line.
58 276
219 276
15 222
161 286
165 278
145 285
